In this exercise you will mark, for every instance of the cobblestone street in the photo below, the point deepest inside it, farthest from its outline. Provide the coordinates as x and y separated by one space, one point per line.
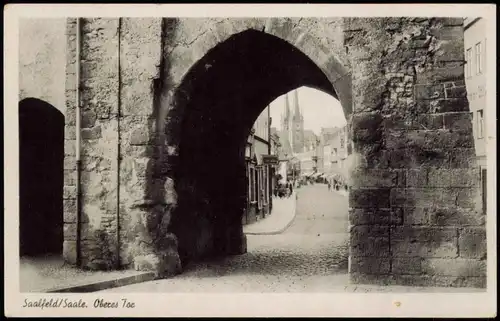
309 256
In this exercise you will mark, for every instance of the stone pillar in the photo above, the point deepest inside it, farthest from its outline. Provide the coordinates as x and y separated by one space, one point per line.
413 198
70 173
99 101
147 191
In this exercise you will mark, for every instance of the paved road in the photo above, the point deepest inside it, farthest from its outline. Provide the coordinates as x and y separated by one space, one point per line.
310 256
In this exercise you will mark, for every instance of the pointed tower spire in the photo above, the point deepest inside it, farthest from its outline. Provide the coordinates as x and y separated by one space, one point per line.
296 99
287 107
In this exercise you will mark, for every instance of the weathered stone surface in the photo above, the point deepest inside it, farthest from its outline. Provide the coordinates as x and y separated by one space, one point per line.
370 197
472 243
69 251
370 265
406 265
393 216
374 178
454 267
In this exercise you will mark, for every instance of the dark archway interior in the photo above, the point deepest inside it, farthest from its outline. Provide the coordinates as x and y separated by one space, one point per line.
222 96
41 162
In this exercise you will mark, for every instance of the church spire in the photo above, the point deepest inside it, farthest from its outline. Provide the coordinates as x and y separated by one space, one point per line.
296 100
287 107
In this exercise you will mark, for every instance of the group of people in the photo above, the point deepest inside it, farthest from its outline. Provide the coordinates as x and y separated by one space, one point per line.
284 189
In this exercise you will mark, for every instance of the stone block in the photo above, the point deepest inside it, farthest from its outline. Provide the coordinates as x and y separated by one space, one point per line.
69 211
467 197
424 197
413 248
407 265
69 163
70 177
70 147
398 197
363 198
444 71
69 132
377 216
416 216
426 91
69 231
420 121
370 247
455 216
69 192
452 21
462 158
369 265
89 118
453 177
427 139
448 32
139 136
415 157
92 133
455 92
417 177
423 234
449 105
69 252
472 243
454 267
458 122
450 50
374 178
360 232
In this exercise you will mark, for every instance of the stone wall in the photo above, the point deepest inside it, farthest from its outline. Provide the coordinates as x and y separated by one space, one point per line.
42 47
413 212
153 118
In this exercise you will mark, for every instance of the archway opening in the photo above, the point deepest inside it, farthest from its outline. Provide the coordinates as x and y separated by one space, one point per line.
220 98
41 162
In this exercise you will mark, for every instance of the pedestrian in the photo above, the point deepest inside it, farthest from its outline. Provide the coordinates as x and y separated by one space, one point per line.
329 186
291 189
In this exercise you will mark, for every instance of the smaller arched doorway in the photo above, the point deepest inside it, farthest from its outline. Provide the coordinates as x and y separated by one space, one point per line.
41 163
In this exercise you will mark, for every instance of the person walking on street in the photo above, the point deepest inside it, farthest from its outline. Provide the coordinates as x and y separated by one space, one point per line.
329 186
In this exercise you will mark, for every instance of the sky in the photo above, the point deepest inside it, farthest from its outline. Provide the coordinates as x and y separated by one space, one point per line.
319 109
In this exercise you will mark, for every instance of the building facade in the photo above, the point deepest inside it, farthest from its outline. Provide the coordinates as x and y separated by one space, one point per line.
336 156
260 170
475 81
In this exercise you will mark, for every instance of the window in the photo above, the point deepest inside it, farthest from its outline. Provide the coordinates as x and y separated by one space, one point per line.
479 58
468 63
480 124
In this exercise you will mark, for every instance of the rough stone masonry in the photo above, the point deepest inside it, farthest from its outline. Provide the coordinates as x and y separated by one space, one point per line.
166 104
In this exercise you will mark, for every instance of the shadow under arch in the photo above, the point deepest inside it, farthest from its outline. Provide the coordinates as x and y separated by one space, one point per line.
216 106
41 177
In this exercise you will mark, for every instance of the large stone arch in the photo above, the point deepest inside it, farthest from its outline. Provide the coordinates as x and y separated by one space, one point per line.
252 68
41 157
412 209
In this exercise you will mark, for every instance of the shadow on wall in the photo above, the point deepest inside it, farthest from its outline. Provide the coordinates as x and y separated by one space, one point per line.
212 113
41 162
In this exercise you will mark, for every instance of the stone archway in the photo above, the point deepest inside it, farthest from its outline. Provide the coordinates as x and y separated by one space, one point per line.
252 68
399 80
41 155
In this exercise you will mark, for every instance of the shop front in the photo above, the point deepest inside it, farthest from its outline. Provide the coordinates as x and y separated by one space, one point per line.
260 173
